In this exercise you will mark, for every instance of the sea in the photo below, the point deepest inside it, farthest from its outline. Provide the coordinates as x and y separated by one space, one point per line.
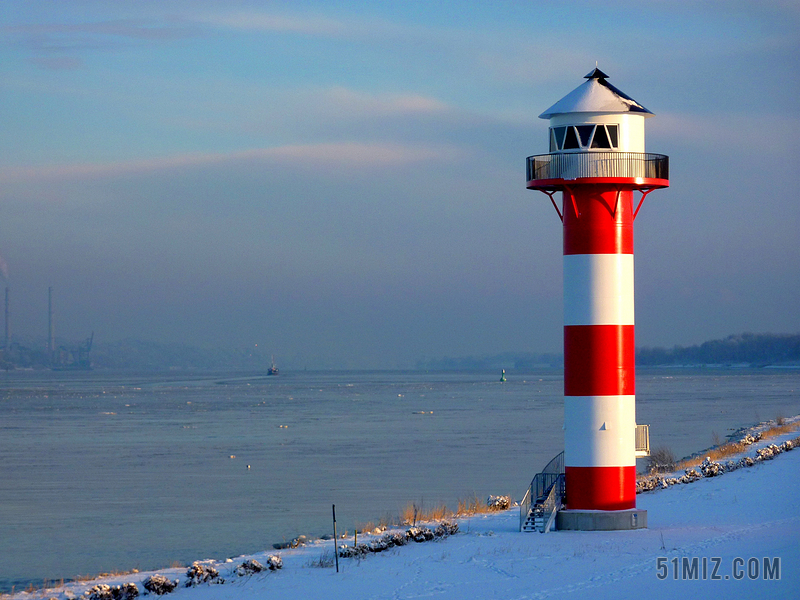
111 471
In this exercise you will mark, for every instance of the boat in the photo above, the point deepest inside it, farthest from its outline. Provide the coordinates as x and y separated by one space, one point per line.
273 370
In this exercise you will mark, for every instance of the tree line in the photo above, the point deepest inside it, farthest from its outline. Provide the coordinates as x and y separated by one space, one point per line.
756 349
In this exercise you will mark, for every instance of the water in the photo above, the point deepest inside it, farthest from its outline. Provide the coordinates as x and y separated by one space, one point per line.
103 471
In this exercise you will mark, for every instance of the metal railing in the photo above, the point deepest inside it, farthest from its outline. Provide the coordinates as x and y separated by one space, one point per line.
546 486
643 440
543 481
524 508
551 504
572 165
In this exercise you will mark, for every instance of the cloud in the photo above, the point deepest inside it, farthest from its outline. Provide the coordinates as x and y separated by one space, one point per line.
144 29
749 132
352 155
56 63
381 104
259 21
54 44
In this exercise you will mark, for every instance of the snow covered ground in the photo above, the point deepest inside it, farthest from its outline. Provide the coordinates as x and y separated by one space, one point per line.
730 522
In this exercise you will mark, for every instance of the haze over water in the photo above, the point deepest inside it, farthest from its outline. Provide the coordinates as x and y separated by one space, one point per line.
117 471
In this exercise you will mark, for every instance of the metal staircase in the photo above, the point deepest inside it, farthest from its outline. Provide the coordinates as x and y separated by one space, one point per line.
544 497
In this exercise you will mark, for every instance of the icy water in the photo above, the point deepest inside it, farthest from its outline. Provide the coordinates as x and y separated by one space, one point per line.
102 472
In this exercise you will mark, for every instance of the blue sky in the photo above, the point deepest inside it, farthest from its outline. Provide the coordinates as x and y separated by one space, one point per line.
344 183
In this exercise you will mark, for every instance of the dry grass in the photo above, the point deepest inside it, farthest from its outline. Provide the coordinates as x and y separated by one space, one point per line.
413 514
84 578
731 448
661 460
326 560
781 428
384 523
472 506
367 527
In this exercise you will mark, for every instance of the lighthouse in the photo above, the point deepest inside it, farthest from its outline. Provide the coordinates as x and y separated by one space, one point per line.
597 160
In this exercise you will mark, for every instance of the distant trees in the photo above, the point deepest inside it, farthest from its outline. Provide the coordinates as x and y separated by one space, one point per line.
757 349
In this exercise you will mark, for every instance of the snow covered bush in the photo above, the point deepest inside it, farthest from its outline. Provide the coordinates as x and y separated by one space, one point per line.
768 452
746 462
787 445
249 567
380 544
419 534
356 551
498 502
690 476
445 528
398 539
126 591
274 562
99 592
661 460
710 468
160 585
197 574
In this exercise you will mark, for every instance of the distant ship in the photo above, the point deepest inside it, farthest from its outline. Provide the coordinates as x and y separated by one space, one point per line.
273 370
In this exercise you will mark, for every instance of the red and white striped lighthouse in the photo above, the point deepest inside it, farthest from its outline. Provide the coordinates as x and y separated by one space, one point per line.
597 161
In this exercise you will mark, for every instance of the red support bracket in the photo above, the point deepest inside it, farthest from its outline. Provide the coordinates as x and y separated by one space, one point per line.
550 194
574 204
644 193
616 204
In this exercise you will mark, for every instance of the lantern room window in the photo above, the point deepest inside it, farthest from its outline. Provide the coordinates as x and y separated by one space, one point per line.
584 137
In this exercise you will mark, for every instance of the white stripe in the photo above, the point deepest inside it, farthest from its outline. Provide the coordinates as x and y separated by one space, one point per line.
599 431
598 289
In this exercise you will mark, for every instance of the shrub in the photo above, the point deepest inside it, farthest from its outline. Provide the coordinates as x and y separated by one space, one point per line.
197 574
498 502
160 585
661 460
249 567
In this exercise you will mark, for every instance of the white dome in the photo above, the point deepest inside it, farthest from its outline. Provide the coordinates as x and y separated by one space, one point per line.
595 96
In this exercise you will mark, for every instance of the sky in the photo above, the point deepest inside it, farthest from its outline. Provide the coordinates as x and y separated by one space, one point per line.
343 183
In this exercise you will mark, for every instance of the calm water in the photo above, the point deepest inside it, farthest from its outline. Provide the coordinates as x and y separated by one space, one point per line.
106 471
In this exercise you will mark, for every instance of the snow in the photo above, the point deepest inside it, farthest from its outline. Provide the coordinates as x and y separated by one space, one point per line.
749 513
595 96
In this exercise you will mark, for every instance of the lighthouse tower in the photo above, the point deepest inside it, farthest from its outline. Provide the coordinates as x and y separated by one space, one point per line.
597 160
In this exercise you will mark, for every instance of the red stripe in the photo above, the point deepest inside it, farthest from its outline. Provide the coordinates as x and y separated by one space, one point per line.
599 360
600 488
604 223
631 183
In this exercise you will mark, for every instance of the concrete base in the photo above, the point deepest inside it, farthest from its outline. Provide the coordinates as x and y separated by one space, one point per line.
601 520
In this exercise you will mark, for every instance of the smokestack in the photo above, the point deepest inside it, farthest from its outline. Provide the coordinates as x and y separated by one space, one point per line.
50 341
8 330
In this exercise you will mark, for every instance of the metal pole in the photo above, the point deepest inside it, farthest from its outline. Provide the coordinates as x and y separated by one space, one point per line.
8 329
51 347
335 540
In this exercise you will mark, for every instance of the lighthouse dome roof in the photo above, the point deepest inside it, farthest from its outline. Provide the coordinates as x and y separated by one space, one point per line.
595 96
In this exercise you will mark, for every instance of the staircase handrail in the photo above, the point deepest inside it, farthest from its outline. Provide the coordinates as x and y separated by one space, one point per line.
524 508
546 492
553 502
